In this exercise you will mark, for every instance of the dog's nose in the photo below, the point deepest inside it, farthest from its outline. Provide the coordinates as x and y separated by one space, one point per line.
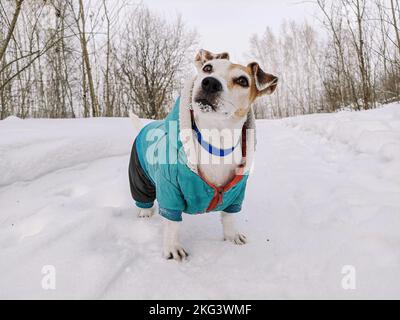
211 85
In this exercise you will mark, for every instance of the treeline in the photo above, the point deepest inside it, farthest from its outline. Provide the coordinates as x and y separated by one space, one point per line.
76 58
82 58
354 64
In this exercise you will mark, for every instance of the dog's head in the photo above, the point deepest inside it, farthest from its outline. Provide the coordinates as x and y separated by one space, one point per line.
226 90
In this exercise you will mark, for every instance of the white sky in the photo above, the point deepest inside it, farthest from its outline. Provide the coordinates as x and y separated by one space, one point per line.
227 25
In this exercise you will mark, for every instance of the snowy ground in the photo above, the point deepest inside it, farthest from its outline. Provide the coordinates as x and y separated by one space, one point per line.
325 194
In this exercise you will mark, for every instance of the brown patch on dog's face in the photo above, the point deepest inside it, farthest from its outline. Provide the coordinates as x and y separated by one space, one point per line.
258 79
226 89
246 97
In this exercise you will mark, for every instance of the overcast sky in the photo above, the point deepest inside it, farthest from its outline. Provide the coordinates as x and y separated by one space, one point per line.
227 25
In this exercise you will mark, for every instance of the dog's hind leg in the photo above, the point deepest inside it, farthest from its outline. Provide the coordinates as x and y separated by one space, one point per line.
230 232
146 213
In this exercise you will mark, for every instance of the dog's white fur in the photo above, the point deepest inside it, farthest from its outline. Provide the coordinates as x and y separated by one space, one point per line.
224 123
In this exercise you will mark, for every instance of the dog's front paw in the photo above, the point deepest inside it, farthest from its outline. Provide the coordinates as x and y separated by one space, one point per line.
236 238
146 213
175 252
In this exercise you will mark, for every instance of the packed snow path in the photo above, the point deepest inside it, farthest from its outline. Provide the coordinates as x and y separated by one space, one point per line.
325 194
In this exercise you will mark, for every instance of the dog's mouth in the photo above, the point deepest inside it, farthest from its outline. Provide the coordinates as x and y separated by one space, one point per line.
205 105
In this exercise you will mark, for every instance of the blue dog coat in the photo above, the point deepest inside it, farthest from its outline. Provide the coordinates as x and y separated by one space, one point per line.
160 169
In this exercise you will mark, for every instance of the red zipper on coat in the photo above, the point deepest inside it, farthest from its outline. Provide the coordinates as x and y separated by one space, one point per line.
219 191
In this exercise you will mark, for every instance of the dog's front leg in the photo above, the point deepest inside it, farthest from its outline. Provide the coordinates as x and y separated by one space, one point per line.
172 246
230 232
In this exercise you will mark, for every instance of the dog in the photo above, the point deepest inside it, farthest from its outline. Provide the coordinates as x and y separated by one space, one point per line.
198 159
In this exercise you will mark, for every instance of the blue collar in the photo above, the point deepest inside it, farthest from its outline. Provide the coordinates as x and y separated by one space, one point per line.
209 147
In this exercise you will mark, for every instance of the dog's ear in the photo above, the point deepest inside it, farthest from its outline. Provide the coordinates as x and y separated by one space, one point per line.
203 56
265 83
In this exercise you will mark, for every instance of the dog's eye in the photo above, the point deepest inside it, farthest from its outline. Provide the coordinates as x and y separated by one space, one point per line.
208 68
242 81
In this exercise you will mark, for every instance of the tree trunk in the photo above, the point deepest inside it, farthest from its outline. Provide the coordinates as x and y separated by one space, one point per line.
86 60
17 11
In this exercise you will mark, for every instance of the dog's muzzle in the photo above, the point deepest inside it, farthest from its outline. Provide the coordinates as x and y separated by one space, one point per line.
207 97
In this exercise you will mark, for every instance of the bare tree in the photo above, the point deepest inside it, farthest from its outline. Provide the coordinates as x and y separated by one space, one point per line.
355 66
20 51
292 54
394 7
87 74
72 58
154 54
109 80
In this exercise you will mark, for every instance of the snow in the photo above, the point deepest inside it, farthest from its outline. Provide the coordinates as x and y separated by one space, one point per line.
325 194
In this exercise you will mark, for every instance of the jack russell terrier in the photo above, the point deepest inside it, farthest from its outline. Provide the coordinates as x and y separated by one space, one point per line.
198 159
